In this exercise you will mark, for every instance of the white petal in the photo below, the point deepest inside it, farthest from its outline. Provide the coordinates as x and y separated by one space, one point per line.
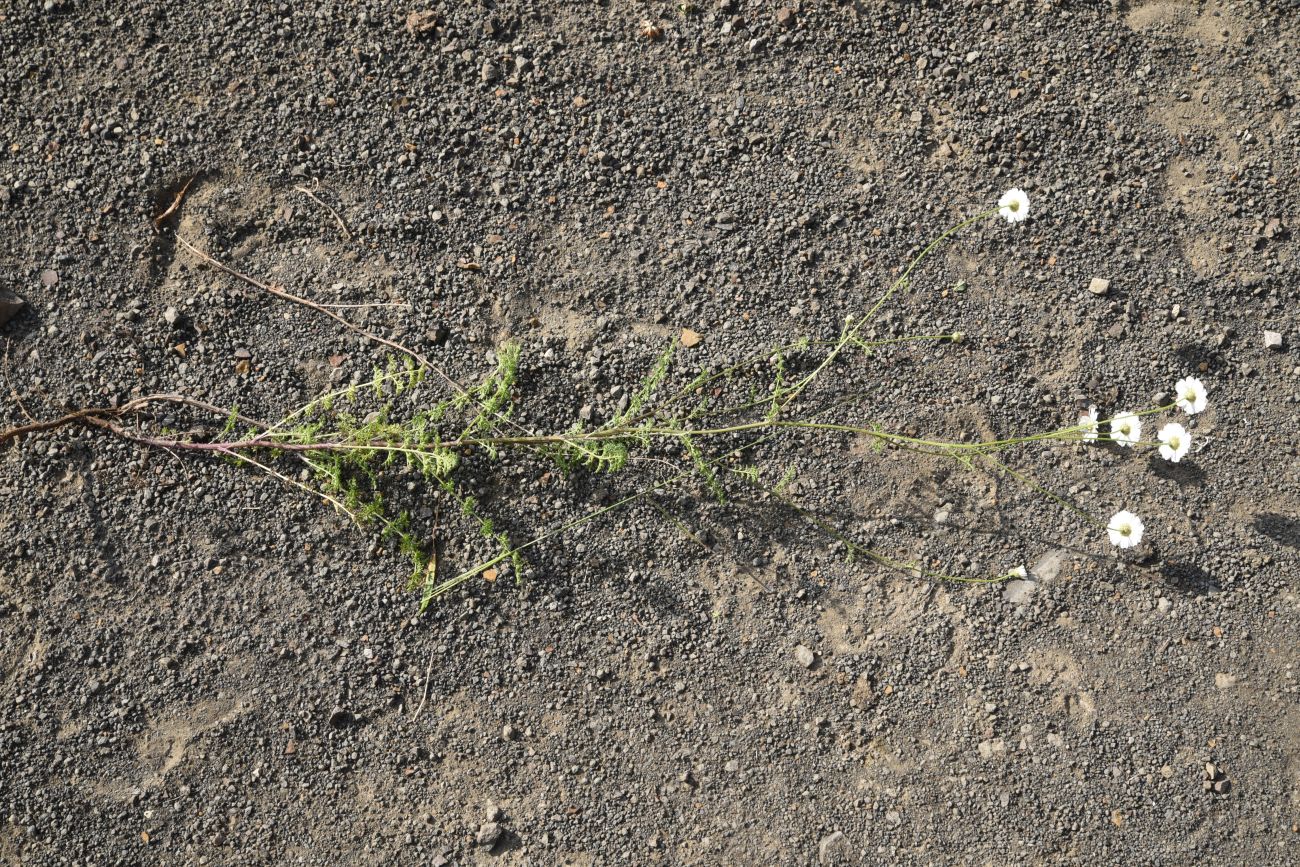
1174 442
1125 529
1191 395
1014 205
1125 429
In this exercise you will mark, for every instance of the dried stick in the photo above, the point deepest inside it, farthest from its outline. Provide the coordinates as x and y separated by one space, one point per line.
428 670
343 227
323 310
279 292
86 416
433 566
100 416
13 391
176 203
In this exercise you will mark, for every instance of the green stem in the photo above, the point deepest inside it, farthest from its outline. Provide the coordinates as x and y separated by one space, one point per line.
452 583
1030 483
851 334
877 557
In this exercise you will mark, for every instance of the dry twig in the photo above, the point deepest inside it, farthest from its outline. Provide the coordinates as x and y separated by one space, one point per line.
433 567
103 416
176 203
13 390
280 292
343 227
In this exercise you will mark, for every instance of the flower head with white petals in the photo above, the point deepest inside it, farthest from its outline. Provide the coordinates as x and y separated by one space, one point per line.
1088 424
1014 205
1191 395
1174 442
1125 529
1125 429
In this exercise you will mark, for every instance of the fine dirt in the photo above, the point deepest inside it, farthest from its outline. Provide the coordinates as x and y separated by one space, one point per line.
200 664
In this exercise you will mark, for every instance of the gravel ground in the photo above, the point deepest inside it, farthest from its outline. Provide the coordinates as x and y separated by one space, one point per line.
201 665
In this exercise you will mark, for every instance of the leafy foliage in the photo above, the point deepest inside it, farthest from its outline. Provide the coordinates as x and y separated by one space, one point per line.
353 456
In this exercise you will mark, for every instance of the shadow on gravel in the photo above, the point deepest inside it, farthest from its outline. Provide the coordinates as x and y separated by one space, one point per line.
1183 474
1189 579
1193 354
735 540
27 320
168 201
1279 528
109 567
508 842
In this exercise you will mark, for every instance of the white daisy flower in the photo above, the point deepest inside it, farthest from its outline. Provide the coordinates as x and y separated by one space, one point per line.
1019 572
1014 205
1174 442
1125 429
1191 395
1088 421
1125 529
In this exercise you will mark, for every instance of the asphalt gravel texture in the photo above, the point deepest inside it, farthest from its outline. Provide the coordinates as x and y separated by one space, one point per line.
201 664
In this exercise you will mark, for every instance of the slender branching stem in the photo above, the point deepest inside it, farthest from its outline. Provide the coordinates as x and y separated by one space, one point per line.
851 333
346 456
